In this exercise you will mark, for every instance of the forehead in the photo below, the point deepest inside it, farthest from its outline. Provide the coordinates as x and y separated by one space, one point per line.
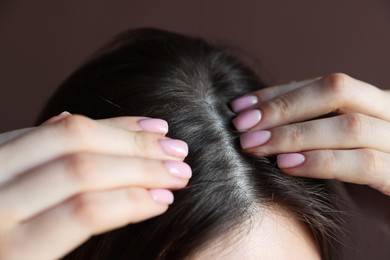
271 235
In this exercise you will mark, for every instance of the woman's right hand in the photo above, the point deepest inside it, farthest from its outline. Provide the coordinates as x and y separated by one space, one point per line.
74 177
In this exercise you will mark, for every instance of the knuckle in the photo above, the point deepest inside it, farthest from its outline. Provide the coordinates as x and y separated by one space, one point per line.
137 198
88 209
355 125
281 105
337 82
370 163
328 160
134 195
373 168
77 127
337 85
82 168
294 135
143 142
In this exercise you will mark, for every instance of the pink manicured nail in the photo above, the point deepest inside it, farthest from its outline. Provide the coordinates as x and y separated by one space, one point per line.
56 118
65 113
247 119
290 160
174 147
255 138
162 196
179 169
242 103
154 125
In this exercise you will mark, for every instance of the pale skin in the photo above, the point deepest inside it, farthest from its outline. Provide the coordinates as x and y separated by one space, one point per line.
352 145
56 183
74 177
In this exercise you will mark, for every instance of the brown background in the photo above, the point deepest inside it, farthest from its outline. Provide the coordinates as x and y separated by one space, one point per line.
43 41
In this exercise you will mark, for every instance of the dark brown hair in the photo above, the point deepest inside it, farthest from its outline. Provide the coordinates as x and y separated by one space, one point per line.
189 83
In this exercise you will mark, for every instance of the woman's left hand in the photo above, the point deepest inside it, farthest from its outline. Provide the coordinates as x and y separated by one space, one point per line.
332 127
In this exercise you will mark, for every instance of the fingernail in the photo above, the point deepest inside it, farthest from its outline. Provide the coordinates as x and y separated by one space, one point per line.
255 138
174 147
247 119
179 169
162 196
56 118
243 103
154 125
290 160
65 113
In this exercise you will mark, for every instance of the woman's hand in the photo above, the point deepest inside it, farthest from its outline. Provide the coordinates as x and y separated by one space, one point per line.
74 177
334 127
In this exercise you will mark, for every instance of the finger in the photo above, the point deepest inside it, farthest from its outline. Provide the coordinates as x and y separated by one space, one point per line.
266 94
80 134
335 93
152 125
127 123
73 222
341 132
56 118
130 123
359 166
48 185
8 136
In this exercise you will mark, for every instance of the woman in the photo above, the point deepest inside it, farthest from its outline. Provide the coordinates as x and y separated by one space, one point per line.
93 176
